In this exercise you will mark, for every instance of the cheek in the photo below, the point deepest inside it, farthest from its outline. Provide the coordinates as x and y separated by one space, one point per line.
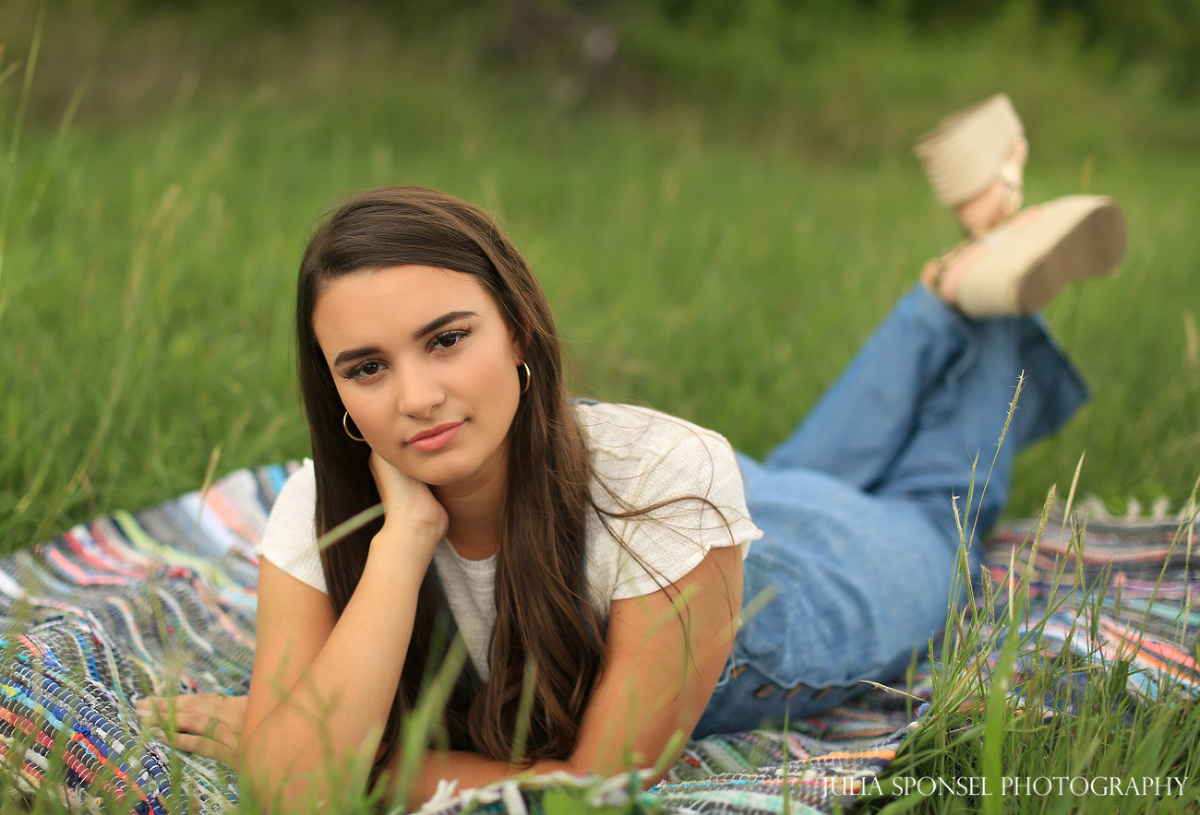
365 411
496 384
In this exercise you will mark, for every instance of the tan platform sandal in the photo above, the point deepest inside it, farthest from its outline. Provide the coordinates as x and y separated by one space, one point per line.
1020 266
975 161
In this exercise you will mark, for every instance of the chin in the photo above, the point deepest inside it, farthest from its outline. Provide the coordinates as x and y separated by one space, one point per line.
445 473
440 478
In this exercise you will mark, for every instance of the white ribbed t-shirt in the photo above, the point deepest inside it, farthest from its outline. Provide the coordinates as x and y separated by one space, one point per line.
641 455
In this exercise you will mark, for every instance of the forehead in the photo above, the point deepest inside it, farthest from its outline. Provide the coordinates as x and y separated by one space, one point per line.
402 297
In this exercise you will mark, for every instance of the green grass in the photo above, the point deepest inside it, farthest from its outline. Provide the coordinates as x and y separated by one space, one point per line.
976 737
717 240
723 268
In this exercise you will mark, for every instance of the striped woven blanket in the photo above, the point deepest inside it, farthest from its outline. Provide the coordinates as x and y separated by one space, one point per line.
162 601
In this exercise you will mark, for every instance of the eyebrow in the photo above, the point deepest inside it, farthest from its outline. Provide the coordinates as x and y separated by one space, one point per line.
434 325
423 331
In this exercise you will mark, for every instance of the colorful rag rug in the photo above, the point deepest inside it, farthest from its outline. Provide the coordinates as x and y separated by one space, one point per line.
162 602
1109 591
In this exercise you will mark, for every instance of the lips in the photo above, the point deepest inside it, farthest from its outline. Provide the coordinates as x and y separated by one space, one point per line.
435 438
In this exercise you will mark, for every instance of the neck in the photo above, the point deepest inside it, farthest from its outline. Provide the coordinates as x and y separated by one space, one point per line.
475 511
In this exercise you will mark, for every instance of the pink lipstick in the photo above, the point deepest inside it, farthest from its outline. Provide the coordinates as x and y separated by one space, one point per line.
435 438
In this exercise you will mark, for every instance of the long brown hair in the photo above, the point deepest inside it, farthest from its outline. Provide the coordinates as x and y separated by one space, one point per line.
551 624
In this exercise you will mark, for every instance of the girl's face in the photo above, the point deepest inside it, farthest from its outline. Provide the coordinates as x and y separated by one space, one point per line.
427 367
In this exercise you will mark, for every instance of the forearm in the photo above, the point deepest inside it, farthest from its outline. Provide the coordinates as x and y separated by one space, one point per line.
332 717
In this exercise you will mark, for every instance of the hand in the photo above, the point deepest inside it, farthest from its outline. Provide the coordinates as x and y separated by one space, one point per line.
408 505
209 724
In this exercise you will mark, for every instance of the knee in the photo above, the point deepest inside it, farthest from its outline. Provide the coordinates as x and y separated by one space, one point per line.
748 699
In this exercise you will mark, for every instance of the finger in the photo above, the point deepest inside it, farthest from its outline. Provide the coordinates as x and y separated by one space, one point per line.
183 720
148 704
198 722
375 463
164 710
204 746
231 710
157 712
162 705
228 709
198 727
152 710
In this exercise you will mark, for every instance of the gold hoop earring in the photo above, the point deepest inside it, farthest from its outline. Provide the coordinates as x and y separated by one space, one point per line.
346 427
528 376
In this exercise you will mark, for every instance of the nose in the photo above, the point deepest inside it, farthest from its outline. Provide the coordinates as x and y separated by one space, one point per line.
419 391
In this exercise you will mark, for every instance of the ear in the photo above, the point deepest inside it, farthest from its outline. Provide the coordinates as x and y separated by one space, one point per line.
518 347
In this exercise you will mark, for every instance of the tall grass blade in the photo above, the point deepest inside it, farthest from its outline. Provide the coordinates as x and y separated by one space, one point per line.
423 721
18 125
354 522
996 718
524 710
1012 408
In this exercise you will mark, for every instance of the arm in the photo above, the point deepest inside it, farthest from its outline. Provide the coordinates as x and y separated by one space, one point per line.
644 640
321 689
661 669
322 686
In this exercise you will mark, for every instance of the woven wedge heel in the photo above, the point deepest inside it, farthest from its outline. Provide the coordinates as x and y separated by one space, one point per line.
975 160
1026 261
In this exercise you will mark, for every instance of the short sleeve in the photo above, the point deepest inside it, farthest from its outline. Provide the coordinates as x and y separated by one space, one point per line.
290 540
688 480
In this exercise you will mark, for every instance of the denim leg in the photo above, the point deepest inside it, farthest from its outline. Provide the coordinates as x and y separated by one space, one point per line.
860 538
856 582
926 395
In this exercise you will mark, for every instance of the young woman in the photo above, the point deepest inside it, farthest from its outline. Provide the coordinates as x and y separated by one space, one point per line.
594 557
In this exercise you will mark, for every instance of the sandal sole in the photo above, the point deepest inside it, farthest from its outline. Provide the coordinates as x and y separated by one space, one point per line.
1023 268
1093 247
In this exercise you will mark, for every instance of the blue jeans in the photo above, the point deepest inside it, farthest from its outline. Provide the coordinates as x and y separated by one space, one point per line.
858 507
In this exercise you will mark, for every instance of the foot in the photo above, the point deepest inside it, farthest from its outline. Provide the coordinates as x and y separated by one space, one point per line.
1000 200
1018 267
970 155
944 274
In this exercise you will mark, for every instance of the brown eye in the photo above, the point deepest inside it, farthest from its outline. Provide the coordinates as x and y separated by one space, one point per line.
449 339
364 370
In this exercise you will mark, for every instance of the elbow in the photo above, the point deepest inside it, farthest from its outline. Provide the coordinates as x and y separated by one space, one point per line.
283 772
253 773
272 778
570 766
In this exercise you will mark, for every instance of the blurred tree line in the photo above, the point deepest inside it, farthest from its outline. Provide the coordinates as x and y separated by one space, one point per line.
1166 32
1163 34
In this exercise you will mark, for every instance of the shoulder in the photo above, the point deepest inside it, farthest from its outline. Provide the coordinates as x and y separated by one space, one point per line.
668 490
627 441
290 539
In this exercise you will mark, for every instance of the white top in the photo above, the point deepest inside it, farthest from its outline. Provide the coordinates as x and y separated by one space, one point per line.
642 455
